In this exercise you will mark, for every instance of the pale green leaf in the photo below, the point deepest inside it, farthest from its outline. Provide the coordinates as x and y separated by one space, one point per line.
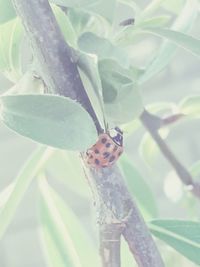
138 186
49 119
190 106
103 48
7 11
187 42
11 34
158 21
103 8
65 26
183 236
53 225
66 166
16 191
173 6
65 229
122 100
183 23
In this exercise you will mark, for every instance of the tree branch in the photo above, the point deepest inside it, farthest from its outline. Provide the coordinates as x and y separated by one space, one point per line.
118 212
184 175
53 55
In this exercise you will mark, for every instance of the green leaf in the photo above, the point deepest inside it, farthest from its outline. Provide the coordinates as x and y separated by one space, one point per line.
16 191
66 166
66 229
183 23
195 169
158 21
187 42
11 34
148 149
49 119
104 8
84 21
173 6
150 9
183 236
88 69
190 106
131 4
137 186
55 228
103 48
7 11
121 97
65 26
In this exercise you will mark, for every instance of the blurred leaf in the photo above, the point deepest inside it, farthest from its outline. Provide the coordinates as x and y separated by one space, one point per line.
127 258
16 191
158 21
148 149
183 23
173 6
131 4
149 9
103 48
183 236
130 127
190 106
187 42
7 11
49 119
195 169
66 229
137 186
84 21
74 3
5 194
11 34
121 97
68 168
92 83
65 26
28 84
103 8
56 229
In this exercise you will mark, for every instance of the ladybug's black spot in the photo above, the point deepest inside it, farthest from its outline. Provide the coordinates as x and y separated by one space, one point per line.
106 155
96 151
112 158
115 148
103 140
108 144
97 161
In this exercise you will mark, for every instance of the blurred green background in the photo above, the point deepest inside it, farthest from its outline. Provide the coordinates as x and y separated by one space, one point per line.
23 243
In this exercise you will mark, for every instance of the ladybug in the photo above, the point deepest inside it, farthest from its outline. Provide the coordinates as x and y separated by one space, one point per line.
106 151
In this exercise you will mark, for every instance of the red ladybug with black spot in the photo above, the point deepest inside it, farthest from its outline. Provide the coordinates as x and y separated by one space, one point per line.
106 151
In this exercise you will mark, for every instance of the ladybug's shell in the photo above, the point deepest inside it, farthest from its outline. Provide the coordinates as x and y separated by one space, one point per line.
104 153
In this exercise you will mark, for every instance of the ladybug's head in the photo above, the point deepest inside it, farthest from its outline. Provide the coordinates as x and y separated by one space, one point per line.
117 136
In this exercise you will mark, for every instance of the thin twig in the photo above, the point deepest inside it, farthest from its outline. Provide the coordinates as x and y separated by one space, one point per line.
152 127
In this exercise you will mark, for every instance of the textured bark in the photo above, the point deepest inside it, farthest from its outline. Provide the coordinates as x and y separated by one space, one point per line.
117 211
